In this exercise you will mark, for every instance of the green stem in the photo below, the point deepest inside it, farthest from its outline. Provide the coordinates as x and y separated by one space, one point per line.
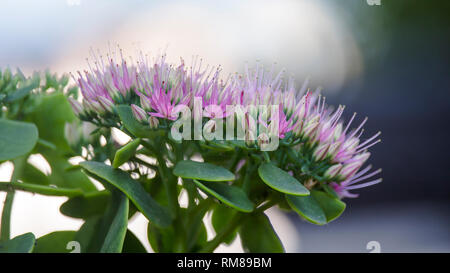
248 174
39 189
169 180
5 229
6 217
221 236
266 156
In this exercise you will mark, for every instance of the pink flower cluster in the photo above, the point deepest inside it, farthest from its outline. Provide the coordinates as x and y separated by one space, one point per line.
155 89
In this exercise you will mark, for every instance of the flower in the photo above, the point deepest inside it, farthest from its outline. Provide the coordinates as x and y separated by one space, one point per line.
139 113
342 189
76 106
156 91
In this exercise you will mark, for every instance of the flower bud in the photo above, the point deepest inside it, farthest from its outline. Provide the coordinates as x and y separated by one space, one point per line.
145 103
76 106
249 138
334 149
361 157
321 151
263 139
351 144
94 106
337 131
302 109
139 113
349 169
310 129
153 122
210 127
333 171
106 104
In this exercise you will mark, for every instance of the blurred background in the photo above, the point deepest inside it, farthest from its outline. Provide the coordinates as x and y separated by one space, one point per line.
390 62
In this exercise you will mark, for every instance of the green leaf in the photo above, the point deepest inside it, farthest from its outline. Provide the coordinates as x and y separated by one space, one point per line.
40 189
258 236
21 92
308 208
125 153
159 215
16 138
106 233
87 235
162 240
132 244
21 244
202 171
87 205
132 125
55 242
333 207
221 217
33 175
51 116
230 195
280 180
201 238
115 222
66 177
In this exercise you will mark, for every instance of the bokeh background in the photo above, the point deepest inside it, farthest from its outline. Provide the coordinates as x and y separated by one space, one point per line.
390 62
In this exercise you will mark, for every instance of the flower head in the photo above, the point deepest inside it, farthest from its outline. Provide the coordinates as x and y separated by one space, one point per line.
329 150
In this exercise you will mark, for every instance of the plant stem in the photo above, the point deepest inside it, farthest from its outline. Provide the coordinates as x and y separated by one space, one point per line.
169 181
6 217
5 229
266 156
247 178
214 243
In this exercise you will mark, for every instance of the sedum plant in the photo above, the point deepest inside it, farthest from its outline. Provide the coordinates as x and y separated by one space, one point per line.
198 144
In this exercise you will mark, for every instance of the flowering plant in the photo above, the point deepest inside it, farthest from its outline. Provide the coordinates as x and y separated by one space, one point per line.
198 143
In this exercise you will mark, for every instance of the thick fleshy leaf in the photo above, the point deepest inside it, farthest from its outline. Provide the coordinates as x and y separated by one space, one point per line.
22 92
230 195
55 242
125 153
202 171
162 240
87 205
33 175
114 223
280 180
21 244
132 244
63 175
106 233
157 214
51 116
221 217
40 189
87 235
16 138
308 208
258 236
333 207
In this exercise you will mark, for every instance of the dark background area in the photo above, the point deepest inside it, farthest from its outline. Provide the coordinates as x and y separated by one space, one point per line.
405 92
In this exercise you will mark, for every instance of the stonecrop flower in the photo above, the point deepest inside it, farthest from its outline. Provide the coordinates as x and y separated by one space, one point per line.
327 149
